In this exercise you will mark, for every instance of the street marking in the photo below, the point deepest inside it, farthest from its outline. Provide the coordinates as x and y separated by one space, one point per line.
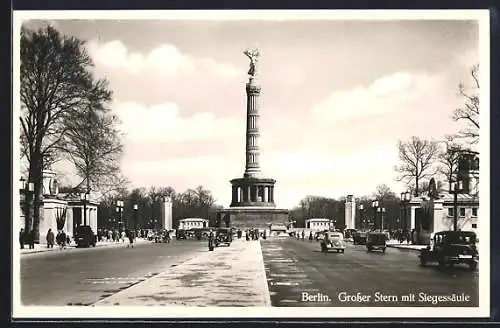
289 301
281 261
284 283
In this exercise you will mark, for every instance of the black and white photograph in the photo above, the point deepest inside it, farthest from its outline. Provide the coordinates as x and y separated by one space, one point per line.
251 163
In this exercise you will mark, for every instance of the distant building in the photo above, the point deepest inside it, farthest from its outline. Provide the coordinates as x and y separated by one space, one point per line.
318 224
193 223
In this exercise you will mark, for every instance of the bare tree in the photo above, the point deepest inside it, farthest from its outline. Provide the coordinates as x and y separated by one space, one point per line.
417 157
55 83
448 159
383 192
92 144
470 110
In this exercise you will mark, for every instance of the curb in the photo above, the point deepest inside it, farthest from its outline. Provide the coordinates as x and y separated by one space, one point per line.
267 294
45 250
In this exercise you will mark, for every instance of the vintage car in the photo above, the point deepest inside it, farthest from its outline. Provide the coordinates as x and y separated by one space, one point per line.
333 241
180 234
359 238
223 236
349 233
451 247
85 237
376 240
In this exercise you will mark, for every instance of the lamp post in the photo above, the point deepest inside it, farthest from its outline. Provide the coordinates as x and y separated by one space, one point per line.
375 209
84 197
361 207
456 188
119 210
405 200
136 207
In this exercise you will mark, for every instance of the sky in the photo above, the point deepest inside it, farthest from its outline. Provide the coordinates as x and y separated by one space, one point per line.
336 97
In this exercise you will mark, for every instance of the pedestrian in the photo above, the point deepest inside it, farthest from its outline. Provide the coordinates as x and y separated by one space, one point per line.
131 237
22 238
50 239
31 239
303 235
310 236
123 236
61 239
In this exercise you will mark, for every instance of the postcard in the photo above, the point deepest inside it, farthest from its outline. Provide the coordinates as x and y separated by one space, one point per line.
251 164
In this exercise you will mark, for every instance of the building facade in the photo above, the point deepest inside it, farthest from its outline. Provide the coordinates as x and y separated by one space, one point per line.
318 224
192 223
59 212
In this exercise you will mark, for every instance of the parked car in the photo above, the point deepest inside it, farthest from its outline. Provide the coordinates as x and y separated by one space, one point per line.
359 238
85 237
451 247
333 241
376 240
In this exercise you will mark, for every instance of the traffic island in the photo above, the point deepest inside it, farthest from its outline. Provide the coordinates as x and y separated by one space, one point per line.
228 276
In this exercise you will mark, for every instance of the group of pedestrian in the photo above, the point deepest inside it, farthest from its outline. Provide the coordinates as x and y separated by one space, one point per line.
27 238
254 234
403 235
62 239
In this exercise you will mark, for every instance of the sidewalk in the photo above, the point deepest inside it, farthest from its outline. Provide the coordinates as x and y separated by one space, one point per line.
42 248
228 276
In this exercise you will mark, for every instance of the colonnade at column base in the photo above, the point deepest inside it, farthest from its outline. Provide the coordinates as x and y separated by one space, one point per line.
253 192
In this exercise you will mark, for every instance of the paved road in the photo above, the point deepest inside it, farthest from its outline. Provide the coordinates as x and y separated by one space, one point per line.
295 267
84 276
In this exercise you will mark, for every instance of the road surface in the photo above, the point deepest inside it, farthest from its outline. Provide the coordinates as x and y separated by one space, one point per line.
299 274
84 276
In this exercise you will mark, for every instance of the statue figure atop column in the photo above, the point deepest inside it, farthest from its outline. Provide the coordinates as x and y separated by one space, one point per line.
253 55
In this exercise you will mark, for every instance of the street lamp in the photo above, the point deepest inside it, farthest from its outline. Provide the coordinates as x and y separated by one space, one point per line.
375 209
361 207
84 197
136 207
405 199
119 210
456 188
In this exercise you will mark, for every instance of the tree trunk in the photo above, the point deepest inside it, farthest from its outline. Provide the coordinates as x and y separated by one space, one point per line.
416 186
35 198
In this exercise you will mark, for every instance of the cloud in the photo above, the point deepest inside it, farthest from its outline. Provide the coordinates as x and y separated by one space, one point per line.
384 96
164 123
165 59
